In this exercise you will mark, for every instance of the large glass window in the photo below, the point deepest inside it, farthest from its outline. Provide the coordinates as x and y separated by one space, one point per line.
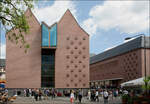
45 36
48 68
49 36
53 36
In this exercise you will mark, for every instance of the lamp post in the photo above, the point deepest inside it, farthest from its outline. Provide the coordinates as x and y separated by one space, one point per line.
144 49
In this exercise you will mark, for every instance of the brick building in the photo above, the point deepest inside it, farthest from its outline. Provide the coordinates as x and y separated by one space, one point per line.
58 56
120 64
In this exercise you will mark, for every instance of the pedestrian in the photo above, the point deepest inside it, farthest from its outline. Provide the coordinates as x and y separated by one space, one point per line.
76 95
72 97
27 92
36 94
30 92
111 94
40 94
97 96
89 95
46 94
53 93
92 96
105 95
80 96
115 93
125 92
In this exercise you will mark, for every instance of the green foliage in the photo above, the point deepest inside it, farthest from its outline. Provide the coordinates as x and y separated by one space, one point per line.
129 99
12 17
125 97
146 85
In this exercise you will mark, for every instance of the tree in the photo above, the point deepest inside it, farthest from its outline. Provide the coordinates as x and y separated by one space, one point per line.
146 85
12 17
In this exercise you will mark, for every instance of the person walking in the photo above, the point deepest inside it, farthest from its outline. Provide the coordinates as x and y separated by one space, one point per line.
24 92
76 95
105 95
115 93
53 93
97 96
40 94
46 91
30 92
111 94
92 96
72 97
80 96
36 94
89 95
27 92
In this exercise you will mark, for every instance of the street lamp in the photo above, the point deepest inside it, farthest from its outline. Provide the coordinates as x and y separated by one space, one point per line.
144 49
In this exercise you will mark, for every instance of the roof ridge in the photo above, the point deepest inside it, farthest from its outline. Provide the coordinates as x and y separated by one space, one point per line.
49 27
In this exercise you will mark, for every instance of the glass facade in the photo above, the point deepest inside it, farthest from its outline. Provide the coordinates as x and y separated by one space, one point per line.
53 36
49 36
45 36
48 68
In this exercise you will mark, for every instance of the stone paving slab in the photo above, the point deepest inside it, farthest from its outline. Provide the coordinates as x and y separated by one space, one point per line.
60 100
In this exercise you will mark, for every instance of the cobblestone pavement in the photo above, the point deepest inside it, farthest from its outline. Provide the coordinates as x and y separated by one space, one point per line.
61 100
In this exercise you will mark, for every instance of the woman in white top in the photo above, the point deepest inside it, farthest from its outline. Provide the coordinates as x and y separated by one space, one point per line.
89 95
72 97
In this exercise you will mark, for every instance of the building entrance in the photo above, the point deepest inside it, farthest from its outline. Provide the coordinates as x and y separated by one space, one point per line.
48 68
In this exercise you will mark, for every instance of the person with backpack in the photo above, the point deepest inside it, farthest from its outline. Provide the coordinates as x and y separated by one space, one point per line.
105 95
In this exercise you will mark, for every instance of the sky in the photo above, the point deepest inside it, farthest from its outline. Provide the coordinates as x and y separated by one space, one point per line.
107 22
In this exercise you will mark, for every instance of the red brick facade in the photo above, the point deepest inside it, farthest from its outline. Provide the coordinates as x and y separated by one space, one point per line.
124 67
71 56
23 70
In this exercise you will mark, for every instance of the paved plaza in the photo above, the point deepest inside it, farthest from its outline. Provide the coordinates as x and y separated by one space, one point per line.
61 100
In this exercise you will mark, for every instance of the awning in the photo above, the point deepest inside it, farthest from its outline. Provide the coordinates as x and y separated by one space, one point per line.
135 82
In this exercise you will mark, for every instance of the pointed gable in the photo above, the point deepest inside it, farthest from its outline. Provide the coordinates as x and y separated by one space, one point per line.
69 19
31 17
72 48
28 65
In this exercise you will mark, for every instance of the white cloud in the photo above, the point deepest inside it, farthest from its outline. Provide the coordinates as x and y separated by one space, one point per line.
3 51
126 16
53 13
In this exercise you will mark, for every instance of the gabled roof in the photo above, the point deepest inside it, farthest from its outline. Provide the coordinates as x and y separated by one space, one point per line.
26 12
69 12
140 42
